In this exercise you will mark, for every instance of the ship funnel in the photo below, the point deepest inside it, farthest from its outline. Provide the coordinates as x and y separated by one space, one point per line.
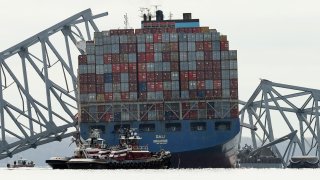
159 15
187 16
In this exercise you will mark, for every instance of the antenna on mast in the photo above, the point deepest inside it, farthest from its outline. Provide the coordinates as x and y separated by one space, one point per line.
126 22
170 16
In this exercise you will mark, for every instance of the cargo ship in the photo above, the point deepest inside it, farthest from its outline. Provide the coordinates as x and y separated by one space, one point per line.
174 81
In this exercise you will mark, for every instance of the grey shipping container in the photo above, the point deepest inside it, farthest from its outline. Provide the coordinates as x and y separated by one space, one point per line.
183 46
107 68
107 48
165 37
175 85
173 37
91 59
141 48
141 38
83 69
108 87
183 56
191 56
199 55
99 60
216 55
99 69
175 76
199 37
124 77
91 68
158 57
184 66
124 87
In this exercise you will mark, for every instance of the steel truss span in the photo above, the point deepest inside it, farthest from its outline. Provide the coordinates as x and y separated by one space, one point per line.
277 110
38 77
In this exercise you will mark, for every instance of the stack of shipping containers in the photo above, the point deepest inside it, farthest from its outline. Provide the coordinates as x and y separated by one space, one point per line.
158 74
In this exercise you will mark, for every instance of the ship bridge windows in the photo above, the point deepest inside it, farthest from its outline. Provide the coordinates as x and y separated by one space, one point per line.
117 127
223 126
173 127
147 127
198 126
101 128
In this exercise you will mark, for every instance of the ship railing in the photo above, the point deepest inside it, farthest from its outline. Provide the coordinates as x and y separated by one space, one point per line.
139 148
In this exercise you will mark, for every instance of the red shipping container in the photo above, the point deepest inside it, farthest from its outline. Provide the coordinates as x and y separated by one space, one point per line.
133 87
209 93
116 68
108 117
217 93
199 46
166 76
132 48
174 66
167 95
82 59
91 78
224 45
101 108
207 46
124 96
158 76
142 96
184 85
149 47
108 97
234 83
185 106
116 77
132 77
200 75
142 67
99 79
149 57
124 48
150 76
115 58
91 88
174 47
83 88
208 75
157 38
124 68
141 57
193 94
217 75
107 58
216 65
210 114
142 77
208 56
193 114
166 56
83 78
100 88
132 67
200 65
201 85
208 65
192 75
217 84
158 86
234 93
202 105
184 76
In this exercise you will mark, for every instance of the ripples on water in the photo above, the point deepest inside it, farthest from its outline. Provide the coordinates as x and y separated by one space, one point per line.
170 174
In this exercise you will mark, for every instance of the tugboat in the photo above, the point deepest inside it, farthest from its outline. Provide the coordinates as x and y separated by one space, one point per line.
94 154
21 163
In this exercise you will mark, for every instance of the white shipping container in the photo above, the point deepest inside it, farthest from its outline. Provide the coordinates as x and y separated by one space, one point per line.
108 87
175 76
183 46
183 56
99 69
107 68
141 48
107 48
233 64
199 55
191 56
165 37
99 60
173 37
91 68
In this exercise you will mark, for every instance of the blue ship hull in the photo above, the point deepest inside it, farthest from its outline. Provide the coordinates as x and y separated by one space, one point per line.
207 147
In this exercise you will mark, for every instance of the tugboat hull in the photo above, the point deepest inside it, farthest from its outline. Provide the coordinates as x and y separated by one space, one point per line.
58 162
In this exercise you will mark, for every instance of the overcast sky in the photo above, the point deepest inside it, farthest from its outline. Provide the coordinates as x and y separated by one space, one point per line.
276 39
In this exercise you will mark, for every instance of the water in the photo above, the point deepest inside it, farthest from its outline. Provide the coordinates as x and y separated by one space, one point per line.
171 174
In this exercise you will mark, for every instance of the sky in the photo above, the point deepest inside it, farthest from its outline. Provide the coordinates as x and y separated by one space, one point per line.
276 40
